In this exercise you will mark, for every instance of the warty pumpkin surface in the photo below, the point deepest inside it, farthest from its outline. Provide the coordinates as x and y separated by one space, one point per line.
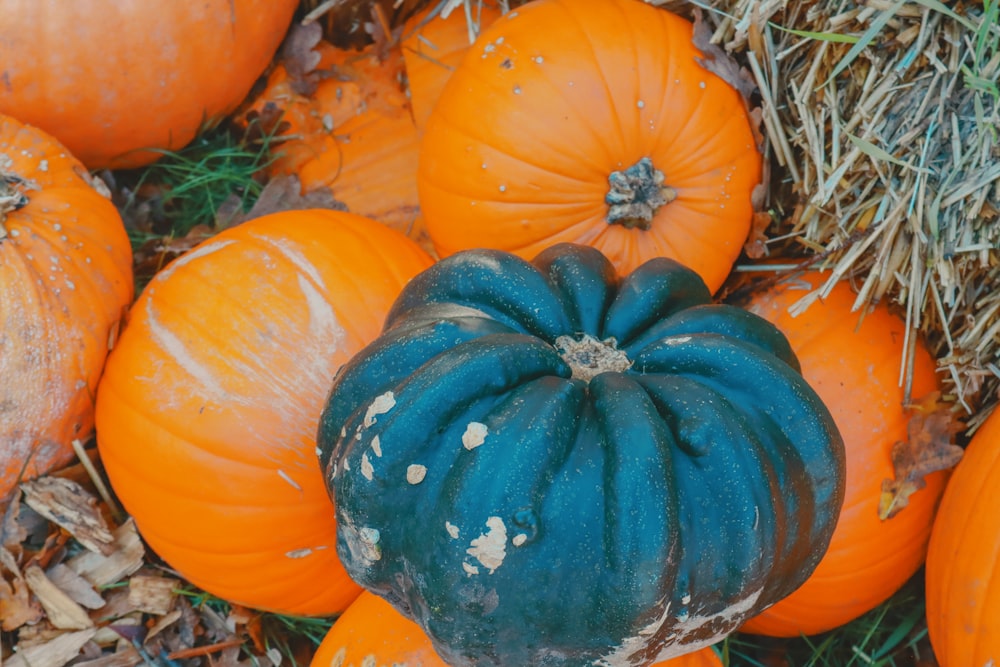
207 413
853 361
65 284
593 123
372 632
109 79
962 581
544 464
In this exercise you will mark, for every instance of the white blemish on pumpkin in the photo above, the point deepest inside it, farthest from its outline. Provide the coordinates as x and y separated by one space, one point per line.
517 90
470 569
369 661
338 659
319 452
299 553
677 340
538 60
756 517
415 473
322 317
362 543
452 529
292 254
285 476
377 447
701 84
381 405
343 432
686 599
519 539
475 435
347 466
490 548
640 104
503 188
177 350
191 255
687 625
367 471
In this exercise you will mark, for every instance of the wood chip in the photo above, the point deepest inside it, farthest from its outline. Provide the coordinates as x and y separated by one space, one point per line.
126 558
153 595
68 505
54 653
60 609
128 656
75 586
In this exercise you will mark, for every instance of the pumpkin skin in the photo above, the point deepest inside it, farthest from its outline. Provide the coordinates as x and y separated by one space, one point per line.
65 283
207 412
855 370
558 98
161 74
372 632
963 600
484 484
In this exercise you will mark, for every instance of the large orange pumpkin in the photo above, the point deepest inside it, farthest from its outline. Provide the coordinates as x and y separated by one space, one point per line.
65 282
590 122
854 364
963 582
111 78
208 410
371 632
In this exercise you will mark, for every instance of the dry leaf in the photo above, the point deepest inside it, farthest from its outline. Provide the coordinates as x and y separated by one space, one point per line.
300 58
69 506
127 656
17 607
60 609
756 243
54 653
719 62
929 449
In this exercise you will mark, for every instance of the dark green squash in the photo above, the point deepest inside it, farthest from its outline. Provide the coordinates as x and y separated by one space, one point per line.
544 464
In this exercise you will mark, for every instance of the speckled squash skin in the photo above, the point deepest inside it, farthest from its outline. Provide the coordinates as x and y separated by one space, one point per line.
527 508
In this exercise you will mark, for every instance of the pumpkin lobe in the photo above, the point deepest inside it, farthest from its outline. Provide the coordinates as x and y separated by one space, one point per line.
588 357
636 194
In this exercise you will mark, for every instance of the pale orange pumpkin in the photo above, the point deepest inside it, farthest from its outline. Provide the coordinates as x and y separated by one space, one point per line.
208 410
65 283
372 632
109 79
963 595
853 363
594 123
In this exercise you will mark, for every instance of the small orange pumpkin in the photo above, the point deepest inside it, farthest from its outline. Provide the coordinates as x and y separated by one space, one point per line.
208 410
372 632
433 46
109 79
855 369
963 595
593 123
65 282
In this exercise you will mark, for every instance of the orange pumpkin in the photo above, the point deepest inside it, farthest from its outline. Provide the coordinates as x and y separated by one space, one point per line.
349 130
855 369
594 123
65 282
208 410
111 78
372 632
963 598
433 46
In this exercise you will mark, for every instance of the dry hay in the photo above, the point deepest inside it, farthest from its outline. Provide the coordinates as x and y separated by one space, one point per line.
881 122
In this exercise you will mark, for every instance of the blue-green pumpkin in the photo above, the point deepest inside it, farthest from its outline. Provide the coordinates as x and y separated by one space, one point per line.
545 464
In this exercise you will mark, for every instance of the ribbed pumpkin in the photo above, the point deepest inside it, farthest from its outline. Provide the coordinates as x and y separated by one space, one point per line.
109 79
65 283
593 123
541 463
963 585
433 45
372 633
853 363
207 413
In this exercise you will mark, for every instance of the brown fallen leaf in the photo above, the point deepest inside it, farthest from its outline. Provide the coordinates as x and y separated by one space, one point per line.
17 607
67 504
929 449
719 62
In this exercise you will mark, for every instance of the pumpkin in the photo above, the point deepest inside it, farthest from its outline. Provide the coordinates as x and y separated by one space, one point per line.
525 439
371 632
963 600
65 282
109 79
207 412
593 123
346 127
853 362
433 46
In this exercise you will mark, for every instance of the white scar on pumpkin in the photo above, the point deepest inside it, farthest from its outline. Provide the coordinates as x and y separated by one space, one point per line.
490 548
675 645
475 435
362 543
381 405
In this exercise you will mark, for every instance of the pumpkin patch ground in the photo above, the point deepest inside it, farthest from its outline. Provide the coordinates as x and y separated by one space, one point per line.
860 140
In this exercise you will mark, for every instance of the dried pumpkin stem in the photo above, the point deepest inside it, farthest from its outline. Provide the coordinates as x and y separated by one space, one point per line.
636 194
589 357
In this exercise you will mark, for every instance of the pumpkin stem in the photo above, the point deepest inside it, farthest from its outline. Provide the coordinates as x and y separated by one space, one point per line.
589 357
636 194
11 198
